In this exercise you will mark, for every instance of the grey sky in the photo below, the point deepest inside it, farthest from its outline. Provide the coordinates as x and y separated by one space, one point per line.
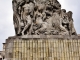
6 17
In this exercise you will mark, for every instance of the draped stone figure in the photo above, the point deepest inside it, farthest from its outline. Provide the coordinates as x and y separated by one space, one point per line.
41 17
72 30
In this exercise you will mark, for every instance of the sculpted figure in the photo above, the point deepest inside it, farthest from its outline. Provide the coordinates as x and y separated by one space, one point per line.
42 26
63 12
64 21
28 25
57 23
72 30
27 16
64 24
16 16
53 20
40 17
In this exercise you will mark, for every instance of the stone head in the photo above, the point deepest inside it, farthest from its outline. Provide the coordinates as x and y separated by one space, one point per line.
69 14
63 10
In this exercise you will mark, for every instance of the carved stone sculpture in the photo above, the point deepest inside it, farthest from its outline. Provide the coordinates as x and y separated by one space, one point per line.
72 30
41 17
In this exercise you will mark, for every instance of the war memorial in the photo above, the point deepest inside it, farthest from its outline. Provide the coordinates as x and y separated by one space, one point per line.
43 31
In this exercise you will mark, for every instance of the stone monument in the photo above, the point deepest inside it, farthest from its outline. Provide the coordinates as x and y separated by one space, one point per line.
43 31
44 17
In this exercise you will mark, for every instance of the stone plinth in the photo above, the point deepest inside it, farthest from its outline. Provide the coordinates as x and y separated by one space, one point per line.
43 48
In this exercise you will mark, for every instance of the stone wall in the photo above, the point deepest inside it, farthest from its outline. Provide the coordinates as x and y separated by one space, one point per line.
42 49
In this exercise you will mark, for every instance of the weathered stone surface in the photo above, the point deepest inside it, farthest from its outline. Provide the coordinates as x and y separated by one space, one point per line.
46 36
41 17
44 31
42 48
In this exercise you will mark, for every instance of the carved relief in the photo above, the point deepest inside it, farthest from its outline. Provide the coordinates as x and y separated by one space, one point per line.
41 17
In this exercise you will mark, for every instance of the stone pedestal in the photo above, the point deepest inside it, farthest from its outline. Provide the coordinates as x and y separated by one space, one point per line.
43 48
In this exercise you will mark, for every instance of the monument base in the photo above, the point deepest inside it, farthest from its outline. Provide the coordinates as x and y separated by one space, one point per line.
45 48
